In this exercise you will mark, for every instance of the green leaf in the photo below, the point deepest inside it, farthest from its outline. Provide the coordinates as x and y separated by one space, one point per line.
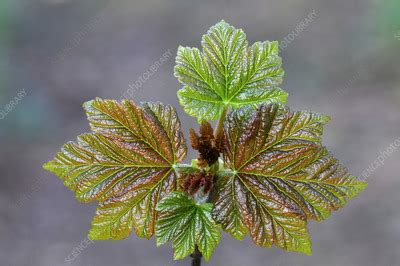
186 224
127 164
279 176
227 73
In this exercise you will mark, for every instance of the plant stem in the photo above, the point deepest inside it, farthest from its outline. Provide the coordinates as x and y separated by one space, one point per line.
196 261
196 256
220 125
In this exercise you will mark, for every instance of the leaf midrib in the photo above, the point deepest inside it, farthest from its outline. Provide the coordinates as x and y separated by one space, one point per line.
265 208
258 67
273 144
138 137
113 165
300 180
134 203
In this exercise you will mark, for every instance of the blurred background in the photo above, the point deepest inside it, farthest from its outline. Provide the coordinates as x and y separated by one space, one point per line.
341 58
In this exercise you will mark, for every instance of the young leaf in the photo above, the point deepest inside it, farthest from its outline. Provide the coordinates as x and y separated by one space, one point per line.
279 176
227 73
127 164
186 224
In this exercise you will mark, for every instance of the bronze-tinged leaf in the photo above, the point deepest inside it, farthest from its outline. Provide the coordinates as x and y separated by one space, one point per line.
246 203
167 117
155 124
279 175
128 164
96 167
133 207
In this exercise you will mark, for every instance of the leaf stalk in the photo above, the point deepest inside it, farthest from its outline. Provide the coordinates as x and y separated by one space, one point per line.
196 257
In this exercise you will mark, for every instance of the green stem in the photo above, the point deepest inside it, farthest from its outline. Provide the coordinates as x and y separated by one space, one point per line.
220 126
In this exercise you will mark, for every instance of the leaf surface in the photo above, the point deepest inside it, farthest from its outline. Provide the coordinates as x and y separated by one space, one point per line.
127 164
279 176
186 223
227 73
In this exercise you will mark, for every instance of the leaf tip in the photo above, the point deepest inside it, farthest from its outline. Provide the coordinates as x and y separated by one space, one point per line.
284 96
159 241
362 184
207 258
88 104
326 119
308 251
181 49
92 235
49 166
222 22
95 234
177 257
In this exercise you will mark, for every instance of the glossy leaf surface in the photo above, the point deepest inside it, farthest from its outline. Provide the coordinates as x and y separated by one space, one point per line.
186 223
228 73
280 175
127 164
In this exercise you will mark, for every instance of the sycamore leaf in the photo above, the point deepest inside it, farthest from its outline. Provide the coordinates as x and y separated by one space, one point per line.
186 223
227 73
279 176
128 164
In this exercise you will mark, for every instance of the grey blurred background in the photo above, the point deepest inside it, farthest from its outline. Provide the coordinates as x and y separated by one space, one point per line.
56 54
